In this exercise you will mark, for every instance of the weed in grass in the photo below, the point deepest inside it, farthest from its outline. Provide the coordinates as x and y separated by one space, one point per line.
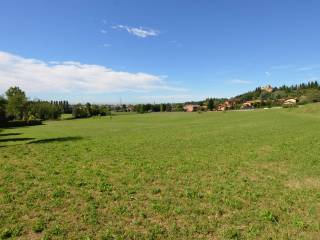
6 233
107 235
39 226
269 216
57 230
233 234
156 190
105 187
122 210
157 232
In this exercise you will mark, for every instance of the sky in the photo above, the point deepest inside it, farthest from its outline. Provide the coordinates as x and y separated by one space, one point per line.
107 51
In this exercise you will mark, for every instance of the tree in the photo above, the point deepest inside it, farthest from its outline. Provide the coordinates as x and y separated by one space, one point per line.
43 110
79 111
210 104
3 103
163 107
89 110
16 103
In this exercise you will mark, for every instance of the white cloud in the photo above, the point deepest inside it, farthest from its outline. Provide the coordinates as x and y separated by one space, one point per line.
239 81
38 76
267 74
138 31
107 45
102 31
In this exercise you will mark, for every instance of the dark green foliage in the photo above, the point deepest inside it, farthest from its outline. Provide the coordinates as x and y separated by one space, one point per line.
3 103
141 108
88 110
163 107
17 107
210 104
43 110
17 101
20 123
305 93
80 111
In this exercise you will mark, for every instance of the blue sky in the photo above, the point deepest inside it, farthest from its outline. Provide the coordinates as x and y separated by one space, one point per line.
163 51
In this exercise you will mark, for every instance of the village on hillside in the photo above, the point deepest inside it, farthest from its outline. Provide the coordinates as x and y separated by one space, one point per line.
262 97
235 103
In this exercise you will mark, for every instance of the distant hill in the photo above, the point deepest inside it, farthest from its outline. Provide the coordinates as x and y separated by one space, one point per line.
303 93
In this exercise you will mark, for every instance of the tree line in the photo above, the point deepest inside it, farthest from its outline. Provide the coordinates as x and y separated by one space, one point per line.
15 106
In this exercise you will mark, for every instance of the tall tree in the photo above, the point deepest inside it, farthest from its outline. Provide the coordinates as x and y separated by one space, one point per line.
16 102
3 103
210 104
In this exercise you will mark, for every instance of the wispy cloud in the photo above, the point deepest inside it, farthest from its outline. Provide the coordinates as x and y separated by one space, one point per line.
312 79
239 81
167 98
308 67
176 43
102 31
301 68
267 73
106 45
37 76
281 67
138 31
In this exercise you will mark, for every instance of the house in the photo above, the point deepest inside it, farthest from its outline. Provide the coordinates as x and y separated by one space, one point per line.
130 108
224 106
251 104
191 107
247 105
290 102
267 88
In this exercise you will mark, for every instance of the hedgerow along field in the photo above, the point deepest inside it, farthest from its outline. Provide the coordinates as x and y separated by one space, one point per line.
214 175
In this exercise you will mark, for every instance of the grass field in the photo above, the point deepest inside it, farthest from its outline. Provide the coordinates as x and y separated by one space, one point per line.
233 175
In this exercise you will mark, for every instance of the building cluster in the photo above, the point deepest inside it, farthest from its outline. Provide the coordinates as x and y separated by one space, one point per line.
243 105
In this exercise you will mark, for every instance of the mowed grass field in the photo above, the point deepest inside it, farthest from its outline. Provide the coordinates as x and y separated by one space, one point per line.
214 175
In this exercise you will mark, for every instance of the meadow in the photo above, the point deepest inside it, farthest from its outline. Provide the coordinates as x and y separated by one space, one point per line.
214 175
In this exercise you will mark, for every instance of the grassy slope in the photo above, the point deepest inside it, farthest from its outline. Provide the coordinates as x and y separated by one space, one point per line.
250 175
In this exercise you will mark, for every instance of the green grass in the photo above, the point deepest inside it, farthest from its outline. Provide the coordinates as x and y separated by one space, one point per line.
233 175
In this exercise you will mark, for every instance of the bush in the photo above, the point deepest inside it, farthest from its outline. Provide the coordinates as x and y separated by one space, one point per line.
88 110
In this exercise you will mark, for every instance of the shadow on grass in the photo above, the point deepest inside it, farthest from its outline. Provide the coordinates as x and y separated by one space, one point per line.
40 141
60 139
14 139
9 134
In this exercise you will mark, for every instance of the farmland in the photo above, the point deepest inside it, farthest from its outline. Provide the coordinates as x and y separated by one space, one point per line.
214 175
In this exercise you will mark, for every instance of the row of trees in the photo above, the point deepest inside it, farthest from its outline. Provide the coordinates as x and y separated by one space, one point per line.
163 107
16 106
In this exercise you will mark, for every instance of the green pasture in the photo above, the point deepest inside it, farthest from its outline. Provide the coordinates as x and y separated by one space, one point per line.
214 175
